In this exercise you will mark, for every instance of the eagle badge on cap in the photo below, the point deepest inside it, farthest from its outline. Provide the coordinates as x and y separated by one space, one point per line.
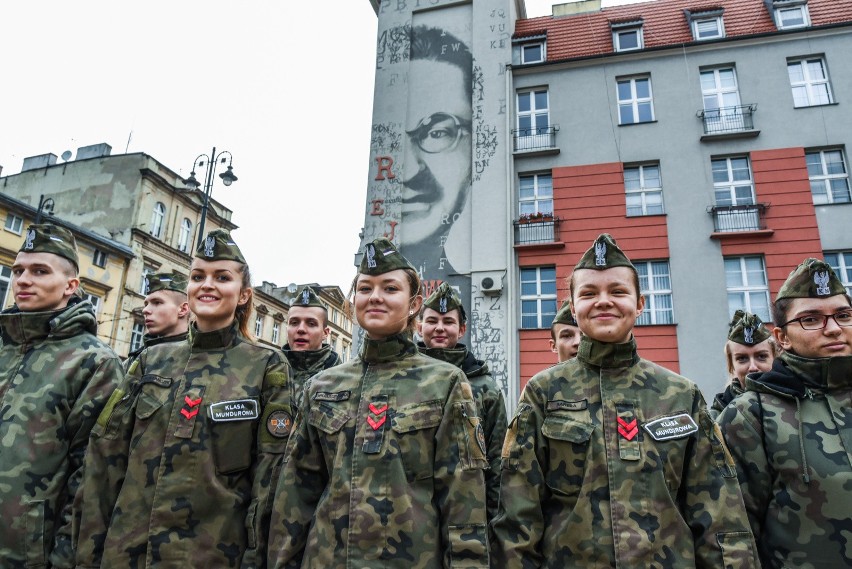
442 305
209 244
31 235
821 279
748 335
600 254
371 256
306 297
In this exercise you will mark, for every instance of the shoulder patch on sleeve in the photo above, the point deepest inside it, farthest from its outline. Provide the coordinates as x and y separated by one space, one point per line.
277 378
133 367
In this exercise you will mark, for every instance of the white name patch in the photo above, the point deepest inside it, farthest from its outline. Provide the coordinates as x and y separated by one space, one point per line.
237 410
674 427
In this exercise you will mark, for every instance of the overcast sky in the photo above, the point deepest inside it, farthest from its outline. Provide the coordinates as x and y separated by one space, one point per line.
286 86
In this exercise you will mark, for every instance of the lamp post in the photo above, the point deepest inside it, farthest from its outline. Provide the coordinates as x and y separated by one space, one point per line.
45 206
228 178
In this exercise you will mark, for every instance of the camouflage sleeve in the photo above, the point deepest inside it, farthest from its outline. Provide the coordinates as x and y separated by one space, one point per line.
303 479
519 525
105 468
459 479
273 432
90 401
494 417
743 431
712 504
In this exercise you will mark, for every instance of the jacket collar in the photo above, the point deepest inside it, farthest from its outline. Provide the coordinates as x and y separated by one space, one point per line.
390 349
217 339
607 355
306 359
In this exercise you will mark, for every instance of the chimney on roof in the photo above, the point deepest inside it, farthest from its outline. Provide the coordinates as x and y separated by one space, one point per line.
40 161
93 151
574 8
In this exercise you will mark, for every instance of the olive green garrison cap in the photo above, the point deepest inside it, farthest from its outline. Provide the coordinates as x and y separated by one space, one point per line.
811 279
219 246
380 257
50 238
444 300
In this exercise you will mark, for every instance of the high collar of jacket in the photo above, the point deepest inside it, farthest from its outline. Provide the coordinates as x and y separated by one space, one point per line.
215 339
459 356
607 355
390 349
305 359
794 375
19 327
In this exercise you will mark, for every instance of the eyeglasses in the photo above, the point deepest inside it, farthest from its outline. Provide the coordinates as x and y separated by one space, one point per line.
820 321
439 132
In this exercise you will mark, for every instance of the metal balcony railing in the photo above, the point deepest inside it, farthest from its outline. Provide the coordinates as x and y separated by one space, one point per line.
534 232
731 218
726 120
530 139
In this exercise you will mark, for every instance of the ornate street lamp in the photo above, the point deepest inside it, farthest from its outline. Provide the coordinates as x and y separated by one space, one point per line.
192 183
45 206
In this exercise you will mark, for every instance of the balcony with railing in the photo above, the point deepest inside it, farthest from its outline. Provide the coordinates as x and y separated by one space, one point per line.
537 229
729 122
535 140
731 219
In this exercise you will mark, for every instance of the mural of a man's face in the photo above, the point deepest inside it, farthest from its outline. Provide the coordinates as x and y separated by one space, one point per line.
438 150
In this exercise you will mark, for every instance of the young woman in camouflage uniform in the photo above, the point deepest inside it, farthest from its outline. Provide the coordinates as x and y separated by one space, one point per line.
384 468
183 458
612 460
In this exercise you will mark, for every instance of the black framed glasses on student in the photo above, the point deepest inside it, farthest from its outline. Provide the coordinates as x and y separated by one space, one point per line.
820 321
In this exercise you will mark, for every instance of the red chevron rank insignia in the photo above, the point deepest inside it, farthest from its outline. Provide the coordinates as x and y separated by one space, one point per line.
189 414
627 430
193 407
380 414
192 402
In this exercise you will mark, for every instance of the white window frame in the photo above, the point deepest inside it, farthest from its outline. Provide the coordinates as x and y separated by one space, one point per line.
541 200
655 293
543 319
137 336
542 47
14 224
696 31
813 89
258 326
644 190
825 179
96 300
534 114
804 16
5 284
184 235
635 100
617 35
143 285
276 332
747 290
723 96
841 262
731 184
99 258
158 219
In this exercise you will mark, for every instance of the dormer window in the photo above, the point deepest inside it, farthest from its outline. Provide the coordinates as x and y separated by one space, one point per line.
791 14
627 36
532 52
530 49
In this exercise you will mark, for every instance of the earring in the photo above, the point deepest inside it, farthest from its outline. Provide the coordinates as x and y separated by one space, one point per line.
410 312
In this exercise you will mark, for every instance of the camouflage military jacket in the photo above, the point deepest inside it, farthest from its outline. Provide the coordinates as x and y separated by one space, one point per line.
613 461
732 390
384 467
55 377
149 341
492 408
307 363
791 436
183 459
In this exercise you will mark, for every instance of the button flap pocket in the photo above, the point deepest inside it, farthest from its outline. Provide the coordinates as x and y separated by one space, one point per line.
417 416
327 418
146 405
564 429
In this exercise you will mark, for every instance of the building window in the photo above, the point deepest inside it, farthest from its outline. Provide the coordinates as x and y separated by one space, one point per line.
635 102
533 117
14 223
538 297
841 262
276 333
143 285
643 190
536 194
747 286
809 81
655 283
792 17
258 326
828 175
184 235
732 181
532 53
94 299
708 28
137 336
719 92
158 219
5 284
627 38
99 259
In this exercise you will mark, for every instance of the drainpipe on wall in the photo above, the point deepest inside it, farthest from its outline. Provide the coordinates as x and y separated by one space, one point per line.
512 347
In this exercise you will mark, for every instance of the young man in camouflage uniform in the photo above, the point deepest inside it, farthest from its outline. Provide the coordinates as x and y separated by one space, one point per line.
612 460
564 333
750 340
791 432
442 322
307 332
55 377
166 312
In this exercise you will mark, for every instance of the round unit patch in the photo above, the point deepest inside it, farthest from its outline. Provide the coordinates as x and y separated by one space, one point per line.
279 424
480 438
